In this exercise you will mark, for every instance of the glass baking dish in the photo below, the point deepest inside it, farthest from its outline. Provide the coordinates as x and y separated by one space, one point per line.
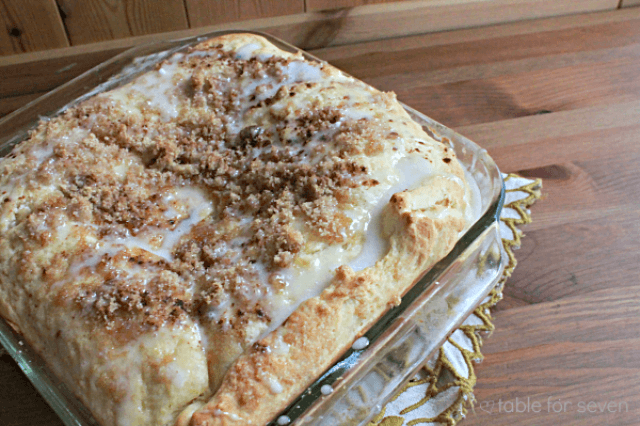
396 346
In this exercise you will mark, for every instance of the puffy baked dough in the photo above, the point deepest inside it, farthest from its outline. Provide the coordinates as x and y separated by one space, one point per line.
117 216
323 327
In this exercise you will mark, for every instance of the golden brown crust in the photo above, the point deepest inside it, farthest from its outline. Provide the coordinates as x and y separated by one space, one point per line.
166 229
325 326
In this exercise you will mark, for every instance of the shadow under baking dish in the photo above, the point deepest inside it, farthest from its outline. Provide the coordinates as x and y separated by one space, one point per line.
395 347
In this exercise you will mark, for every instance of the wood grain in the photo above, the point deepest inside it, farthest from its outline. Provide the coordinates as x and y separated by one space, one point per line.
12 103
562 136
578 350
607 21
337 4
203 13
46 74
556 98
98 20
426 59
30 25
383 20
499 50
331 28
447 86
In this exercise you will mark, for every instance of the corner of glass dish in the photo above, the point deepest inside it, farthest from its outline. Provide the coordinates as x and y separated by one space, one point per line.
400 343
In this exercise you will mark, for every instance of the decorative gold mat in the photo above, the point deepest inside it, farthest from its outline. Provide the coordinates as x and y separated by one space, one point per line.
441 393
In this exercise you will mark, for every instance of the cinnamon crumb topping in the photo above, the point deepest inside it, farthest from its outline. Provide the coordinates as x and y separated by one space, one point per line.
266 144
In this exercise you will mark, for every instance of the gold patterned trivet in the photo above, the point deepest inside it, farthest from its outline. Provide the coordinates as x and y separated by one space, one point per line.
441 393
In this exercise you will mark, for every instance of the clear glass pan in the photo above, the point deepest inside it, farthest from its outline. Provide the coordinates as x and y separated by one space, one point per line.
400 342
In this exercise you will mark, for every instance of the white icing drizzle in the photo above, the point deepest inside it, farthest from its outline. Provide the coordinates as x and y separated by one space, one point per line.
42 152
298 71
283 420
198 54
473 201
264 56
219 413
410 172
161 90
326 389
294 72
275 386
360 344
246 52
280 347
198 209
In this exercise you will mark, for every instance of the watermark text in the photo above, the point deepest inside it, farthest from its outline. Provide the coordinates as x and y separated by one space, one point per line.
552 405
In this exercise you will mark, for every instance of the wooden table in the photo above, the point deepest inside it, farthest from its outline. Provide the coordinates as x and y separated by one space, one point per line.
557 99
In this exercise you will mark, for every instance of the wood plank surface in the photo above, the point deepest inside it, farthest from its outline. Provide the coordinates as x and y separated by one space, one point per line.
557 99
563 355
410 17
203 13
98 20
45 74
12 103
30 25
338 4
70 62
348 26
